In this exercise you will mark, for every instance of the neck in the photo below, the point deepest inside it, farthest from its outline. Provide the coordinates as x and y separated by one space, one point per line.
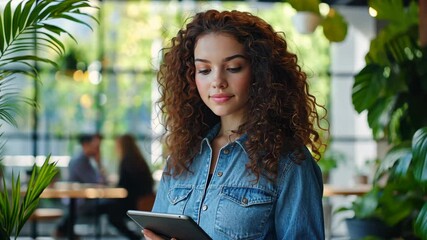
229 125
229 134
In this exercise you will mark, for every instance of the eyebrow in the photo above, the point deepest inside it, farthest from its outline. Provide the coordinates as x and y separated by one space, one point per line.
227 59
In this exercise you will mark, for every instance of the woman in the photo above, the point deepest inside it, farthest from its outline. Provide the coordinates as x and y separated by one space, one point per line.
239 116
135 177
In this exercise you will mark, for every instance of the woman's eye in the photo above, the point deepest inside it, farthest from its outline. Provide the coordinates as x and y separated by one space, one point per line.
234 70
203 71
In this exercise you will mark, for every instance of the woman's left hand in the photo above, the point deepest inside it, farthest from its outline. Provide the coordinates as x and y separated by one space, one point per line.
149 235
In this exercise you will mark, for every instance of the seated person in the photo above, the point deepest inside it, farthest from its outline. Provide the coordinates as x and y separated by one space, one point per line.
85 167
135 177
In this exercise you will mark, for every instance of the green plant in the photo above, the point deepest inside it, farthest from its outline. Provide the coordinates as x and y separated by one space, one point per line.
15 212
28 28
392 203
392 88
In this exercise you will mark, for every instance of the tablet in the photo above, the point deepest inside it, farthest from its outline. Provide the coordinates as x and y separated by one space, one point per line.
167 225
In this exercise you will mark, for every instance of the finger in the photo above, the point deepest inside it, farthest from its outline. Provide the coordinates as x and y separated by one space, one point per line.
149 235
145 236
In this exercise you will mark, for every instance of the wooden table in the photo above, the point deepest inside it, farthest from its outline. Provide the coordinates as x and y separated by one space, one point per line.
360 189
74 191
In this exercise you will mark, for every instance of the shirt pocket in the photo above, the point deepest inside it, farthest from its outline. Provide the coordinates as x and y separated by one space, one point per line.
243 212
178 198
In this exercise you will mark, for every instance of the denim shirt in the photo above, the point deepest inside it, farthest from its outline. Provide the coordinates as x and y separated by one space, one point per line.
233 206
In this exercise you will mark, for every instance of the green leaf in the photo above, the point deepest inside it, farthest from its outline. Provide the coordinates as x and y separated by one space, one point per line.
2 38
36 11
16 17
7 19
402 167
419 151
420 225
379 115
364 207
368 85
387 9
395 121
305 5
395 11
334 26
57 30
56 41
25 14
16 196
394 207
395 154
30 57
71 18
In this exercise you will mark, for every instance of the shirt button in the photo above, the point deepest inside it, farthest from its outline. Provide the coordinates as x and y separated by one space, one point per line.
219 174
226 151
245 201
205 207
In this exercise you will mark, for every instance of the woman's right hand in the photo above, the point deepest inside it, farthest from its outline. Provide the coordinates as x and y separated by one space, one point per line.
149 235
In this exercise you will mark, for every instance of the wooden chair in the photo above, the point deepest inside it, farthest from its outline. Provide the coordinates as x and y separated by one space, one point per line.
145 203
43 214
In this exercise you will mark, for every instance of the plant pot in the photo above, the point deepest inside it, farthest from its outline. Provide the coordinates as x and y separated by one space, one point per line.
360 228
306 22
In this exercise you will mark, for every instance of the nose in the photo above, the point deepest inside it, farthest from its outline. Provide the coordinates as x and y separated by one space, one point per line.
219 80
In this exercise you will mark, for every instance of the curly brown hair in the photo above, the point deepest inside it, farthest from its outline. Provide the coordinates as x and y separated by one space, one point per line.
282 115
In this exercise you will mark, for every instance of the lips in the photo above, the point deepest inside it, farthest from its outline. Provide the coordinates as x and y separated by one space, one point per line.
220 97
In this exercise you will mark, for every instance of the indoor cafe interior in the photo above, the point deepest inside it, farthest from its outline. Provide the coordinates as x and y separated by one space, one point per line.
362 59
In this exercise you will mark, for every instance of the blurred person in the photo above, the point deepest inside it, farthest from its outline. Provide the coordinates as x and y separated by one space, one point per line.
85 167
135 176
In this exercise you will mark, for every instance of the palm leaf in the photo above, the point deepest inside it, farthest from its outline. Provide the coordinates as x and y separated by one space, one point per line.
24 29
16 212
7 22
33 16
39 180
30 22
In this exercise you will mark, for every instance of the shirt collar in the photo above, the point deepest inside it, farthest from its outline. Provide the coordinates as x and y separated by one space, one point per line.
214 131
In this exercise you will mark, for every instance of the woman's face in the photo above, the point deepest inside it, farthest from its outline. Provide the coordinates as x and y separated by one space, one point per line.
223 74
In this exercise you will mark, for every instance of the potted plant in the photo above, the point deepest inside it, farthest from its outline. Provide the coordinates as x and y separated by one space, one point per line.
308 18
392 88
308 15
22 24
385 211
367 219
